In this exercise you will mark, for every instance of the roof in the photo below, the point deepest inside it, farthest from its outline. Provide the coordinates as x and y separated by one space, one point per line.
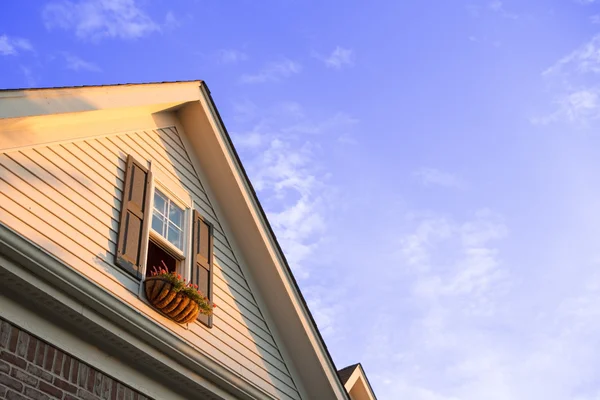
345 373
354 375
97 86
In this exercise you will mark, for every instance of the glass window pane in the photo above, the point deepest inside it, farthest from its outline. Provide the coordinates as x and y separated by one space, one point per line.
158 222
175 215
174 236
160 202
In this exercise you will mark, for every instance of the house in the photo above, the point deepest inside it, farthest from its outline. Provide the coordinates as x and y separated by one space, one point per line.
356 382
99 185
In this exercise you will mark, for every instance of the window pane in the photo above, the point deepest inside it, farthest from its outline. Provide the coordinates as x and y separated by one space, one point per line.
175 215
158 222
174 236
160 202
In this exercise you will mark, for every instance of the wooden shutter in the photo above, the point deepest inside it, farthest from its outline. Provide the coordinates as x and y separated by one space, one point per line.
135 216
202 262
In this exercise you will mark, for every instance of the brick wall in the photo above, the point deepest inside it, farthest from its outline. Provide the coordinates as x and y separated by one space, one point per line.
33 369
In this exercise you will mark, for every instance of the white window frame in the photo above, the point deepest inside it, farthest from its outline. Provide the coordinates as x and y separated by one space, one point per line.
182 199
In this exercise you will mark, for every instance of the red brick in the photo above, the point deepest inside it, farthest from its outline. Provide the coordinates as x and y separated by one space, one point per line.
91 379
70 397
98 383
14 336
22 343
113 391
24 377
83 374
4 333
74 371
49 358
14 360
4 367
51 390
15 396
39 353
58 360
31 348
59 383
35 395
106 384
120 392
40 373
11 382
66 367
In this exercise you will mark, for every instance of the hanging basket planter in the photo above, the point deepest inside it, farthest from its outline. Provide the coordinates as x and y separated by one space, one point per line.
177 305
169 293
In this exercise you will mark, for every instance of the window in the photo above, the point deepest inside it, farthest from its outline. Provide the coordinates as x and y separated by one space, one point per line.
167 236
167 219
155 227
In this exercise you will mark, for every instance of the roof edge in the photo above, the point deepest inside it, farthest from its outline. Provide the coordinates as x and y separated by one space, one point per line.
204 87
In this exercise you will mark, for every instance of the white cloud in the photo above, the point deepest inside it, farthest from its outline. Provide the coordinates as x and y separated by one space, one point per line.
273 72
77 64
435 177
284 166
585 59
13 45
577 98
580 107
231 56
98 19
339 58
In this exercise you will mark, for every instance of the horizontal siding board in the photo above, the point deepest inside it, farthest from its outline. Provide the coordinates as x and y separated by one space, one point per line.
86 176
67 198
63 247
31 165
72 178
26 194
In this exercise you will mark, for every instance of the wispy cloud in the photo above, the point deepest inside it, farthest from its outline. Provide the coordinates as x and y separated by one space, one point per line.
283 163
436 177
577 95
99 19
13 45
585 59
579 107
340 57
273 72
77 64
497 7
454 283
230 56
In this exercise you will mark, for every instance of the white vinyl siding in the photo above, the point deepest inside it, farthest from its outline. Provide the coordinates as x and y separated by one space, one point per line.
67 197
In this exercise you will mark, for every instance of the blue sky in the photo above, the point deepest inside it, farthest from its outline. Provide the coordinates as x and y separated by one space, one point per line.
429 168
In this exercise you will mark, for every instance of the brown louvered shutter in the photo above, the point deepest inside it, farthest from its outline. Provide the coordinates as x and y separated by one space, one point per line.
135 215
202 263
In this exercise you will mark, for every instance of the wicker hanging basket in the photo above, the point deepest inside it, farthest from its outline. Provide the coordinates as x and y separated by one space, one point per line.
176 305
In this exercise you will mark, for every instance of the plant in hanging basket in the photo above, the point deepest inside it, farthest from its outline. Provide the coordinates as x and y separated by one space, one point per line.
173 296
